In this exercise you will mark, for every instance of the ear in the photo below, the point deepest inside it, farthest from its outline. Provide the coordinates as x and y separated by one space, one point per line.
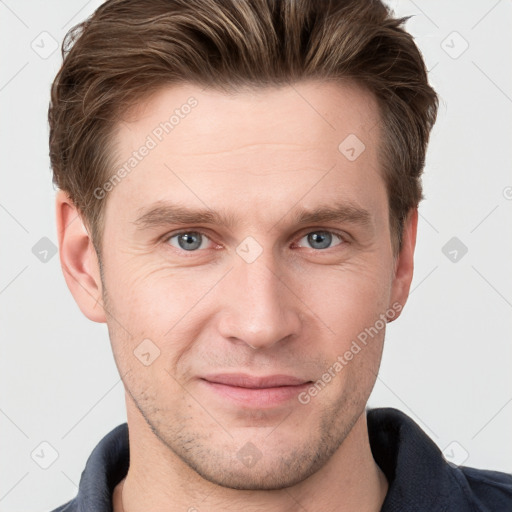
404 262
78 259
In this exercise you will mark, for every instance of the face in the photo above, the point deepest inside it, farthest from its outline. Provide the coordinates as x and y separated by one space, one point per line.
247 272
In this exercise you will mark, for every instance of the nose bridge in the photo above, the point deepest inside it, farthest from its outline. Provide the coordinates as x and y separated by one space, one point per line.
259 309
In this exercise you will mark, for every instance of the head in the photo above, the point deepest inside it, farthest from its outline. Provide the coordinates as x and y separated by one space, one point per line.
239 183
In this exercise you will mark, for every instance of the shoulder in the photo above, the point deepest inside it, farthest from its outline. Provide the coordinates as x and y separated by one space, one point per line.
420 477
70 506
488 490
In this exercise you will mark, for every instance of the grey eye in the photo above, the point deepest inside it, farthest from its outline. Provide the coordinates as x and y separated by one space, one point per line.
188 241
321 239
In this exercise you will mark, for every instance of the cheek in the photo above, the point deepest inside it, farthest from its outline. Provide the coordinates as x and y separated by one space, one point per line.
349 299
148 292
351 306
155 302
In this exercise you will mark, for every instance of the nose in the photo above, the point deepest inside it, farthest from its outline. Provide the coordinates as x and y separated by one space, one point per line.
259 305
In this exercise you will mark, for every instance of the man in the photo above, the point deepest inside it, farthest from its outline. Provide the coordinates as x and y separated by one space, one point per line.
239 183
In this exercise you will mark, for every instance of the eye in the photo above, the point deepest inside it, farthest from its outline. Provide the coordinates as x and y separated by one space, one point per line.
322 239
188 240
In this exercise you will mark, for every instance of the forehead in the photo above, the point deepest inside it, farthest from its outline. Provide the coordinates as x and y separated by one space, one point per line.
306 113
270 146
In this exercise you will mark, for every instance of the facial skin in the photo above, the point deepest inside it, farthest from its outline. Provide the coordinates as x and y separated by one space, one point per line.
259 158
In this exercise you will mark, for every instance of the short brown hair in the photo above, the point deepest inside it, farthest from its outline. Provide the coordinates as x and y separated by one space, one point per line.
129 49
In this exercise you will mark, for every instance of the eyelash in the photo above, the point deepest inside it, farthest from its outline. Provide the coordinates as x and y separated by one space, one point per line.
342 236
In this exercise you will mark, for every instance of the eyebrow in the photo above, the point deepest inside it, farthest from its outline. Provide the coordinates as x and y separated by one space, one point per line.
163 213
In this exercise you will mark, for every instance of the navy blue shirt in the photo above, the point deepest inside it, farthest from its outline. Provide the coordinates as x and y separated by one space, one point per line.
419 477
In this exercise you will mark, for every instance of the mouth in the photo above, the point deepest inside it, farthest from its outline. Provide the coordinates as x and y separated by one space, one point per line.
255 391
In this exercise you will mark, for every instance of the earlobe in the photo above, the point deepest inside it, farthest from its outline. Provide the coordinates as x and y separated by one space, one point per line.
404 264
78 259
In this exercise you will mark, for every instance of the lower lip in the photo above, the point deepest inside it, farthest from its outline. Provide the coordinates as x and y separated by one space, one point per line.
257 397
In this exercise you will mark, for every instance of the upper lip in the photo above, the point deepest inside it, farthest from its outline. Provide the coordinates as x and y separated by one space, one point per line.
243 380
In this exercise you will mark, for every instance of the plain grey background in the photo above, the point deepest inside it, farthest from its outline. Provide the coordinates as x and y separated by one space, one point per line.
447 360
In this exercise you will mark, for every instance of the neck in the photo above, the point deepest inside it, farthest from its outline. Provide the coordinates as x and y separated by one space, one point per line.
158 480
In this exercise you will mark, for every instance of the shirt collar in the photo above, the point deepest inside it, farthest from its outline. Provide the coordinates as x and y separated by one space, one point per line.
105 468
419 477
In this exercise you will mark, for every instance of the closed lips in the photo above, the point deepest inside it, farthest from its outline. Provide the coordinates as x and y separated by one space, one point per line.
255 382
